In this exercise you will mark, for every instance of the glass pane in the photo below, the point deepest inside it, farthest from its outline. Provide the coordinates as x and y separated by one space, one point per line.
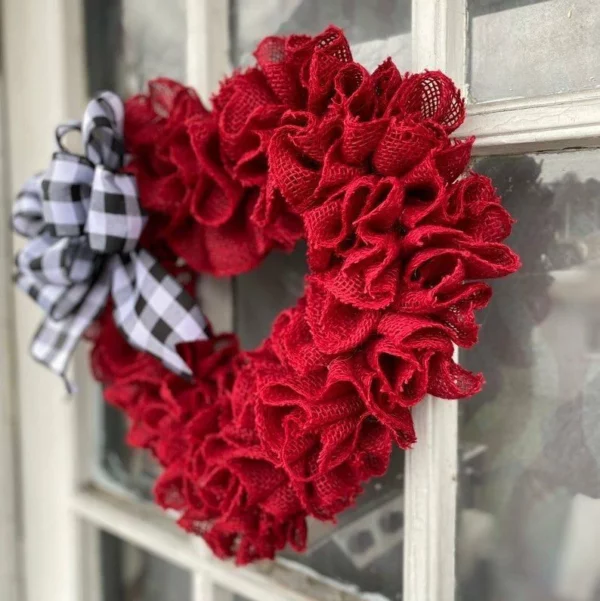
381 27
365 546
130 469
529 498
130 574
364 549
129 42
261 294
522 48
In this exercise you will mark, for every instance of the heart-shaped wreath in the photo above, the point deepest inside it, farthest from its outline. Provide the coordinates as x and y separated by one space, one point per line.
305 145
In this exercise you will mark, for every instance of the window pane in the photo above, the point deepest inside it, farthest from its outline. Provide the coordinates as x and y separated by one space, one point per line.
529 498
364 549
380 27
129 42
130 574
132 470
365 546
521 48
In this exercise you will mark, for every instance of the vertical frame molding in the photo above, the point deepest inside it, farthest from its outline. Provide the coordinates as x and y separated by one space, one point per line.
11 583
45 83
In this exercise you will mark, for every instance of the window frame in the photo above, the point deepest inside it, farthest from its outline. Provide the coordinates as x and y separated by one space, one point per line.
53 444
10 523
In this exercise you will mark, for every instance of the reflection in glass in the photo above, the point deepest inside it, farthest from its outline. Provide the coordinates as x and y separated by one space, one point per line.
522 48
529 498
130 574
381 27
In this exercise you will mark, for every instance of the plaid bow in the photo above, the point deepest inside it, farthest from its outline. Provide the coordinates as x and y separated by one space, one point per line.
84 220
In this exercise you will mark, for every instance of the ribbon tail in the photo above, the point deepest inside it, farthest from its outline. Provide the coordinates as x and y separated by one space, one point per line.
153 310
56 339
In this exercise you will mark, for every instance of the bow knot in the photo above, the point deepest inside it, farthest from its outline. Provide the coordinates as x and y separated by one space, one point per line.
84 221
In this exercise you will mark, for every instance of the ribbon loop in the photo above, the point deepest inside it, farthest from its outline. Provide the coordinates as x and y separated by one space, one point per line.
57 300
66 188
58 261
102 131
63 130
27 216
84 221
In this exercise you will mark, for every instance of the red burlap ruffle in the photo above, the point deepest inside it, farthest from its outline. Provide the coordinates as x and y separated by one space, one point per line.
306 144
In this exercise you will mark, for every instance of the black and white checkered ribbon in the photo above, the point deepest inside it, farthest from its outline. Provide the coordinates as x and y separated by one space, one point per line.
84 220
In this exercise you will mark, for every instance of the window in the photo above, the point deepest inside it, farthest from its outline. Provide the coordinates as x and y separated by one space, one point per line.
499 499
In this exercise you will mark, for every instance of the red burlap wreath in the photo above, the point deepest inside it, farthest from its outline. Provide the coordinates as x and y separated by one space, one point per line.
307 144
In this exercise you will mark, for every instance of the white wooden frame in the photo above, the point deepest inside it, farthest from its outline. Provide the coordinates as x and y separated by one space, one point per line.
431 467
44 77
43 85
10 522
